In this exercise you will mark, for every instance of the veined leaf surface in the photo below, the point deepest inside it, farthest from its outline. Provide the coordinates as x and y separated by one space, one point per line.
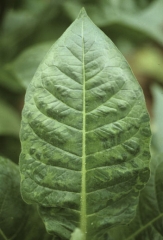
85 135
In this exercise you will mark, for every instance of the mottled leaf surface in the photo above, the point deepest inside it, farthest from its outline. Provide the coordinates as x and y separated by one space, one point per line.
148 223
85 135
17 219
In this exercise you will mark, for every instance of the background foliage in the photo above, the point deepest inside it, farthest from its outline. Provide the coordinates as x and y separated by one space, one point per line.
28 28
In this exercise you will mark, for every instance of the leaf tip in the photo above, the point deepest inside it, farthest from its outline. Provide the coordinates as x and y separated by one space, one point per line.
82 13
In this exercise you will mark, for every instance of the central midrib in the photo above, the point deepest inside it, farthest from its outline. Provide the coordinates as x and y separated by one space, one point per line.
83 190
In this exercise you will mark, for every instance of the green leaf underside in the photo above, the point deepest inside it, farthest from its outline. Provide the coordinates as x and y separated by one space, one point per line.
85 135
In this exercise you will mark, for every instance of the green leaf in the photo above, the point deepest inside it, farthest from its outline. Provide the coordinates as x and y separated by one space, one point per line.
17 219
147 224
85 135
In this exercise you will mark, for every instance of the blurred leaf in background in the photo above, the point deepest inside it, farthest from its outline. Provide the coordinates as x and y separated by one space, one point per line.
25 65
9 131
17 219
9 120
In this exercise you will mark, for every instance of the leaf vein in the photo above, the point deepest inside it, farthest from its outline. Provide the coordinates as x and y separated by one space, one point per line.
114 145
73 154
48 187
73 53
108 98
66 74
60 99
45 114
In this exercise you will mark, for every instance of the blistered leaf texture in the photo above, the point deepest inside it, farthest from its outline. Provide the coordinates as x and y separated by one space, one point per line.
85 135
